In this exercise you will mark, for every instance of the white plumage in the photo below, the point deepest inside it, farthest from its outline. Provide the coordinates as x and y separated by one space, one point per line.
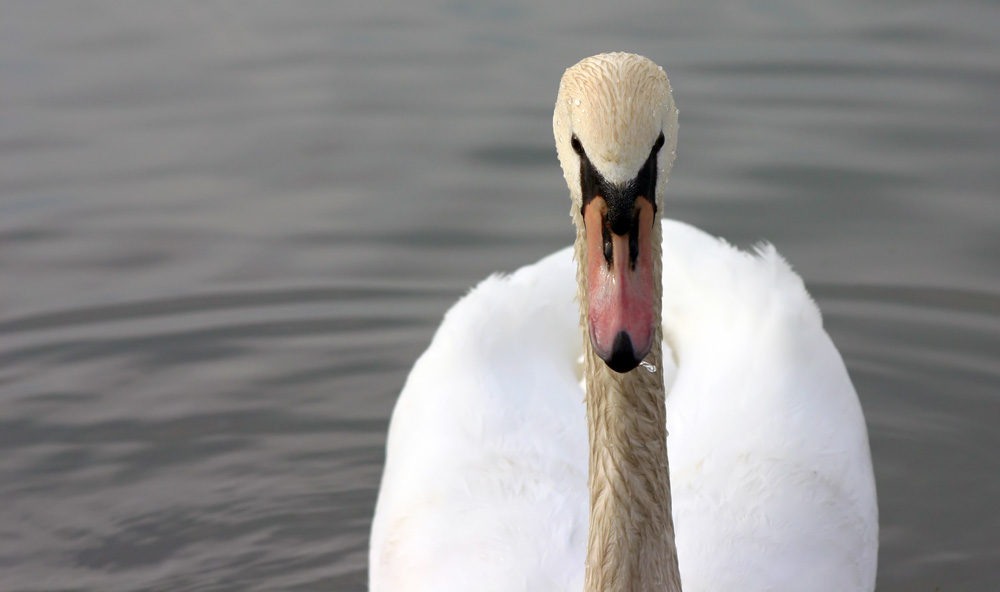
485 484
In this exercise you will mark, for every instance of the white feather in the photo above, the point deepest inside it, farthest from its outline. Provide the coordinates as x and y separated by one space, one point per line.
485 483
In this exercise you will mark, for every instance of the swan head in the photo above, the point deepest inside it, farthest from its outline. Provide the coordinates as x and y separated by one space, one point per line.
615 126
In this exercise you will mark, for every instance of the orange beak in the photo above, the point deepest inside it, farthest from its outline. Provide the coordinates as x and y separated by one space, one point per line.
620 285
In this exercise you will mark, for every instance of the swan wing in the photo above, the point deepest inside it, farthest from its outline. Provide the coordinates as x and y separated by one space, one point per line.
485 483
770 466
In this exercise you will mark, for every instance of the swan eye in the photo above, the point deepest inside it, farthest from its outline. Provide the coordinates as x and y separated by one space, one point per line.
577 146
658 144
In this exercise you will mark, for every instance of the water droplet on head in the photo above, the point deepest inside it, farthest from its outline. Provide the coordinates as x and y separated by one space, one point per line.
649 367
577 102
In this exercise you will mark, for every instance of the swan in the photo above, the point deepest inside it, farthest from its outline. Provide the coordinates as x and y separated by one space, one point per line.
528 447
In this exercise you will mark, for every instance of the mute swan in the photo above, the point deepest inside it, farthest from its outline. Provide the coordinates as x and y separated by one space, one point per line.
527 450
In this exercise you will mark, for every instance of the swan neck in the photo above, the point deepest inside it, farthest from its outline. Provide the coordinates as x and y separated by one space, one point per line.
631 544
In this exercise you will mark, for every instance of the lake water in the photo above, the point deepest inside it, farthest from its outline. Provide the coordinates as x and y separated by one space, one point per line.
227 229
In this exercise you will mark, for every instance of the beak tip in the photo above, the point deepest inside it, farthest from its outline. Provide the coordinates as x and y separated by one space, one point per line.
622 358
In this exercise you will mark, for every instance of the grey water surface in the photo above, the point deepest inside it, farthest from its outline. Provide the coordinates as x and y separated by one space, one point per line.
227 229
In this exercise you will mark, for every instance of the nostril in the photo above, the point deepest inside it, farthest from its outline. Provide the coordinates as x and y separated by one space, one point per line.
609 251
622 358
633 241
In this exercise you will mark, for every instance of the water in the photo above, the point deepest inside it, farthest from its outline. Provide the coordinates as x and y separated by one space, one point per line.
227 230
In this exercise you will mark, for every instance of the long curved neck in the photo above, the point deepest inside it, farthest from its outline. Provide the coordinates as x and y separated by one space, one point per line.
631 539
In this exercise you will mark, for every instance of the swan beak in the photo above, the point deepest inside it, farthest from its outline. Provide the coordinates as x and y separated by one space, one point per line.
620 283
